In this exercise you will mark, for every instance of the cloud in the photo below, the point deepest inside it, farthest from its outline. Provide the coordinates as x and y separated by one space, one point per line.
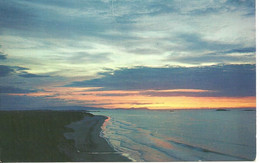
29 75
248 5
223 54
116 94
17 70
63 41
80 35
86 57
11 89
38 17
68 19
223 80
2 56
242 50
145 51
19 102
195 42
186 92
5 70
209 58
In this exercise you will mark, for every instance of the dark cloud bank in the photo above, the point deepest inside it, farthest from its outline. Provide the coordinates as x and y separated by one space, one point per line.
11 89
16 70
5 70
2 56
223 80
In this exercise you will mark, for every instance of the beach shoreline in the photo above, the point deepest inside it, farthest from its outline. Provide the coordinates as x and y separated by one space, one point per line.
89 144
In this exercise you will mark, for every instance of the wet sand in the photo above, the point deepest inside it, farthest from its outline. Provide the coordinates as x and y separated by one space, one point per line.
88 143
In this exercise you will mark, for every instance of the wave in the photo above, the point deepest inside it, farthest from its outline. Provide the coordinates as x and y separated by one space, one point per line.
140 142
201 149
139 147
104 135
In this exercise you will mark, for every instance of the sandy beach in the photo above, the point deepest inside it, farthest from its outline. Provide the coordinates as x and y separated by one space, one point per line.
88 144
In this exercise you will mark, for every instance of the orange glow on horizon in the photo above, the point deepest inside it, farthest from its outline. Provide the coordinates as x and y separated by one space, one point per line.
181 90
137 99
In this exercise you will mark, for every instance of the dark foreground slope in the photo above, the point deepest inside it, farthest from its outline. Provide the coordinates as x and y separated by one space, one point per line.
39 136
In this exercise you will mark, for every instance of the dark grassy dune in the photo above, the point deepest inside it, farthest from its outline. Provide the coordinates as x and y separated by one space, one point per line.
38 135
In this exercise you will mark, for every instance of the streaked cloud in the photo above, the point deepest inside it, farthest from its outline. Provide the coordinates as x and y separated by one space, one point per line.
175 49
86 57
10 89
5 70
29 75
2 56
58 34
20 102
225 80
17 70
141 99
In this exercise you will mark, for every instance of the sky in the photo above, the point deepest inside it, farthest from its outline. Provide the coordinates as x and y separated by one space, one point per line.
154 54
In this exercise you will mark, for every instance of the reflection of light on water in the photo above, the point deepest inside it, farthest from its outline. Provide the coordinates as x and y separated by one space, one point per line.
103 129
159 142
105 123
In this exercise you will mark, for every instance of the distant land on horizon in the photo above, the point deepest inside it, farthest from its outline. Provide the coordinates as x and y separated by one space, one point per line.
83 108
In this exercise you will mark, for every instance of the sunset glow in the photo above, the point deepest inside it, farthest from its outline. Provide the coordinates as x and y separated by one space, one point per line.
136 99
128 80
128 54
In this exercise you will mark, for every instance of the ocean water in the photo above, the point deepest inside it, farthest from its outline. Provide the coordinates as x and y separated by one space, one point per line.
182 135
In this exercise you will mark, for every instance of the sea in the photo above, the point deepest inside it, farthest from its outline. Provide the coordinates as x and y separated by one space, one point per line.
181 135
